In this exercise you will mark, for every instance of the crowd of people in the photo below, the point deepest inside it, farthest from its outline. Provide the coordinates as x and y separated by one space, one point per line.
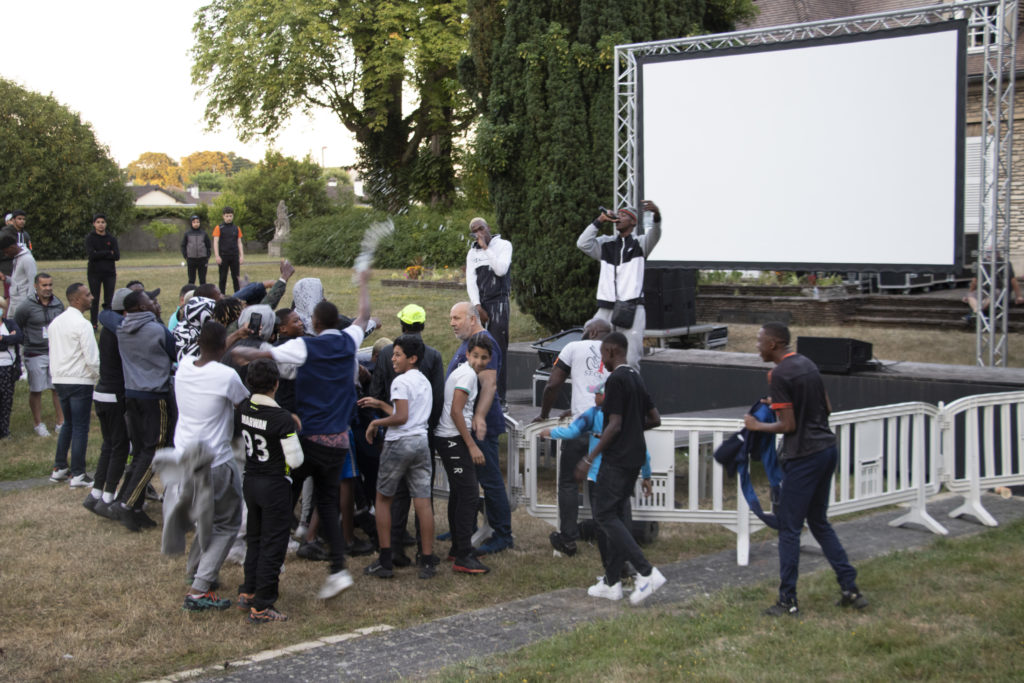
251 411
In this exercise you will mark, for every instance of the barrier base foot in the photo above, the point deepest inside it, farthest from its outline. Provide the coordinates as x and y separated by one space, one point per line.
921 517
975 509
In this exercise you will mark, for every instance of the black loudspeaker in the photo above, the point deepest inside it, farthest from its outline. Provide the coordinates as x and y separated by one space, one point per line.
837 354
670 297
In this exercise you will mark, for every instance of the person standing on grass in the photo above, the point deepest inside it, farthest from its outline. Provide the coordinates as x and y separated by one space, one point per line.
75 365
628 411
10 366
147 353
460 454
808 459
272 449
102 251
206 393
325 396
488 426
23 270
108 398
34 316
196 249
227 249
579 361
489 286
406 454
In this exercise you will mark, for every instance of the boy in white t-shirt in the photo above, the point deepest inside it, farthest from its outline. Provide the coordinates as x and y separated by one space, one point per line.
406 453
459 452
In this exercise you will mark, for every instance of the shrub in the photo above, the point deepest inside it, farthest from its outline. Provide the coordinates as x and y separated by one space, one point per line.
430 237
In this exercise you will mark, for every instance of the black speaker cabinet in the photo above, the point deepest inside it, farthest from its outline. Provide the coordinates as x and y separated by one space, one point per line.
837 354
670 297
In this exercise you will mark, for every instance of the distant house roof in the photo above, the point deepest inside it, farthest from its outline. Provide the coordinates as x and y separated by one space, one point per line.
785 12
154 195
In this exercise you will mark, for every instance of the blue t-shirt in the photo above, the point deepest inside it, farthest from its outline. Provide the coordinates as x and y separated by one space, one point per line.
495 419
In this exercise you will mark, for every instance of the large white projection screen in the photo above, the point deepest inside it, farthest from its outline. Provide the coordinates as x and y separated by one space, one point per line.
822 155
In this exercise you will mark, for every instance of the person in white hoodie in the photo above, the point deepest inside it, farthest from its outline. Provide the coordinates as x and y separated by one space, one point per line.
75 368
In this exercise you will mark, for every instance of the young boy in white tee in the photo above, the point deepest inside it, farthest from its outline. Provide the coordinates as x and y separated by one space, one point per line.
406 454
459 452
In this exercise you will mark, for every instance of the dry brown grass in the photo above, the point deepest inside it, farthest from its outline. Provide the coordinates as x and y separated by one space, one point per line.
86 600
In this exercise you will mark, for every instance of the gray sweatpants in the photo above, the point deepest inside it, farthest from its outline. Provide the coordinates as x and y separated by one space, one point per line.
204 565
634 335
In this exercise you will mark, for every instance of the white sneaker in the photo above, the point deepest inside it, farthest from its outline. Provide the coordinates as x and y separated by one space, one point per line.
58 427
603 590
646 585
80 481
335 583
60 474
41 430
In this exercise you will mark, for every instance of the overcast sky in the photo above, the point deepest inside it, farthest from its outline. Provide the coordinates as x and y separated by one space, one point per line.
124 66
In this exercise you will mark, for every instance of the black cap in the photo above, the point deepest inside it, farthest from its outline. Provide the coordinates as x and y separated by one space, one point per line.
195 216
17 212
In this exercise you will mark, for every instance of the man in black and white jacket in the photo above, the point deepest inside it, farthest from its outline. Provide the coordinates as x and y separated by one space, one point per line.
622 258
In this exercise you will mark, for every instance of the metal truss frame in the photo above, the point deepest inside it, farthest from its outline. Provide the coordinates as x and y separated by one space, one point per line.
997 22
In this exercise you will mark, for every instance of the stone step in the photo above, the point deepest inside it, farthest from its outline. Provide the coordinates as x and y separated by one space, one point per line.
929 323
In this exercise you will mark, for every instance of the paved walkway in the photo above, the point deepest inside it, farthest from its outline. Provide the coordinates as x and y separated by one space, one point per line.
420 650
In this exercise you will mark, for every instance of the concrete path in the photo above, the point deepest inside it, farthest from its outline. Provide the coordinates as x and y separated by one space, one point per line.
418 651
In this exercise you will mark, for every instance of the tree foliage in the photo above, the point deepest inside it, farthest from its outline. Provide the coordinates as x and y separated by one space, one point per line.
199 162
259 61
278 177
155 168
53 167
547 136
208 181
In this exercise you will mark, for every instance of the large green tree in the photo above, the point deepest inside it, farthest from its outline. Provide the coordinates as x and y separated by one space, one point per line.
277 177
259 61
52 166
546 72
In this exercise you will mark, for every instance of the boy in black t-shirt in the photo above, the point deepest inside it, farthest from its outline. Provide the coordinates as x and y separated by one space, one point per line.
271 448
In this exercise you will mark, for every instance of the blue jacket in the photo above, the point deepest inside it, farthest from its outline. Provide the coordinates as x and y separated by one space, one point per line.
738 450
592 421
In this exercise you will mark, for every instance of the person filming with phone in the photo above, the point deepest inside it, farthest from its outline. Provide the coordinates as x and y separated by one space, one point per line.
620 289
489 285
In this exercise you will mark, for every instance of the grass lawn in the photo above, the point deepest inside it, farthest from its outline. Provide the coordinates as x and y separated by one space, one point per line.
951 612
87 601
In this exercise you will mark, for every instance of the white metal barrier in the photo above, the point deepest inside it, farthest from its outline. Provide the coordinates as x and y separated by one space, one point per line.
895 454
982 447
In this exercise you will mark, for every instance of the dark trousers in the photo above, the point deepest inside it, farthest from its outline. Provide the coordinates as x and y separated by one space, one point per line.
76 404
625 513
97 280
615 485
499 512
463 491
498 312
114 451
146 418
323 464
805 487
268 500
228 263
568 489
7 382
197 266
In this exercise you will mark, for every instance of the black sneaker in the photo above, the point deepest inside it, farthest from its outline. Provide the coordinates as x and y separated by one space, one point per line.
126 516
265 616
380 571
427 559
90 502
104 509
783 608
561 544
401 560
360 547
207 601
143 520
853 599
428 569
470 565
313 550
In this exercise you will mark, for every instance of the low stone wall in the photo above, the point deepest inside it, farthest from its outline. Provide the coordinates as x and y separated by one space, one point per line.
756 310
